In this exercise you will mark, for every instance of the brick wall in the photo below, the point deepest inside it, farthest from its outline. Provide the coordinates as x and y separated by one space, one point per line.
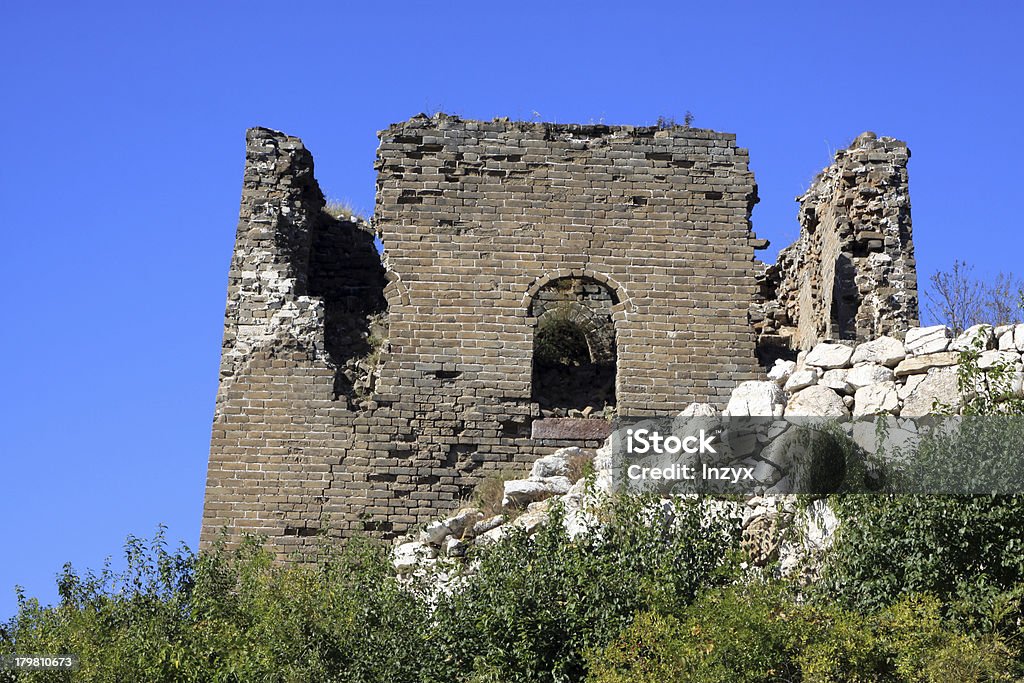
477 219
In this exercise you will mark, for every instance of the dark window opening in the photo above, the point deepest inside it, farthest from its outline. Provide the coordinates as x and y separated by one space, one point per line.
574 348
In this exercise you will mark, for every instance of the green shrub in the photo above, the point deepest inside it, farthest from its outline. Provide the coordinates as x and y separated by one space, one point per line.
230 616
759 633
966 550
537 603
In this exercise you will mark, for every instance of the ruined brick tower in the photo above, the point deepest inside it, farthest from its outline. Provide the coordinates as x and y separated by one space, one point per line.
536 279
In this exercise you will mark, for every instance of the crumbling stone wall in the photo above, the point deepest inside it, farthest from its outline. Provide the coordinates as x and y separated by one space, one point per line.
477 219
360 396
851 275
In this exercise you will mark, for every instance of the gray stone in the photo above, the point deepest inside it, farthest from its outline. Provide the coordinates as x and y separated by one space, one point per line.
865 375
910 383
530 522
757 399
453 547
924 340
765 473
485 525
939 385
407 555
781 371
976 337
836 380
827 355
800 380
435 533
922 364
876 398
886 351
699 410
493 536
1005 338
992 359
521 492
816 401
555 464
464 520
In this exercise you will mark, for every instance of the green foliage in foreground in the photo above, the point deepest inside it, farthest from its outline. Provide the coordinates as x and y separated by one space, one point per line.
536 604
966 550
229 616
756 633
916 590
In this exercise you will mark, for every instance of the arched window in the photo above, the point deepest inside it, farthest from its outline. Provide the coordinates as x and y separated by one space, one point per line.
574 347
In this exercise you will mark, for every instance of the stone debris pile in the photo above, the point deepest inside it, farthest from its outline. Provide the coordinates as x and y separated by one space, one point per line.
884 376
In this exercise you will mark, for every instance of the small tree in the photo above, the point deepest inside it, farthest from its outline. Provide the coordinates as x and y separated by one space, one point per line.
1003 299
959 300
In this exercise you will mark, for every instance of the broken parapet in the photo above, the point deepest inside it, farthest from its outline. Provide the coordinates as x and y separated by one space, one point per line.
851 274
300 279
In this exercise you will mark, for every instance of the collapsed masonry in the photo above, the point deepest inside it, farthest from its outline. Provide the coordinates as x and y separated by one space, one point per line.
851 275
537 278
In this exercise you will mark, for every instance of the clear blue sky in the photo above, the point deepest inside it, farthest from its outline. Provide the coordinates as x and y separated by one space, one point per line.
124 125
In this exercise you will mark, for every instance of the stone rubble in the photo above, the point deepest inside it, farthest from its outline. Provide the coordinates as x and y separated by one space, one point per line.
774 529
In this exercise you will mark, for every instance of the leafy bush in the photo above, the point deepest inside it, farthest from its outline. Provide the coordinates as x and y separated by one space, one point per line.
759 633
537 603
229 616
653 594
236 615
958 548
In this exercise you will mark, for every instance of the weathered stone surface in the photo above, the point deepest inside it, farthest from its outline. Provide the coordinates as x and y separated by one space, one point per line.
756 398
851 274
556 464
816 401
921 364
974 338
408 555
435 533
827 356
530 521
571 429
910 383
766 473
876 398
781 371
492 536
521 492
699 410
864 375
885 351
800 380
369 396
836 380
485 525
924 340
992 358
463 521
939 385
454 547
1005 338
